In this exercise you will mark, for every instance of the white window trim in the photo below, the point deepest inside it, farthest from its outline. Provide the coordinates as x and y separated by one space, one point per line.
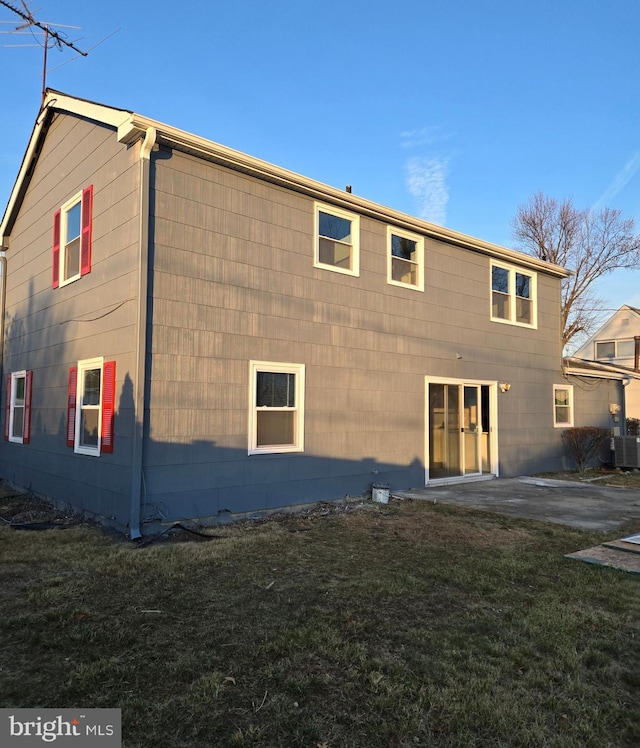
569 389
269 366
64 210
419 240
513 269
15 375
83 366
355 235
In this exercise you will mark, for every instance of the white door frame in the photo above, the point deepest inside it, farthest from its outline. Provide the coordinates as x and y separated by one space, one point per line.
493 428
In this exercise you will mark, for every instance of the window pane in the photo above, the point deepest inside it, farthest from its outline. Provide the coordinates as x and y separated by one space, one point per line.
72 259
275 390
626 348
18 421
404 248
523 310
91 391
500 306
276 428
89 427
333 253
605 350
73 223
19 391
335 227
562 397
500 280
562 414
404 271
523 286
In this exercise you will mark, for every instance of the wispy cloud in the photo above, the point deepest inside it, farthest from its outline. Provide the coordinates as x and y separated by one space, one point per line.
423 136
426 181
620 181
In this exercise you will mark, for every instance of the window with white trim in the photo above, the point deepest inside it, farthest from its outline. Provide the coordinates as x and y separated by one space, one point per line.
405 259
91 401
337 240
17 427
513 295
72 228
562 406
608 350
276 407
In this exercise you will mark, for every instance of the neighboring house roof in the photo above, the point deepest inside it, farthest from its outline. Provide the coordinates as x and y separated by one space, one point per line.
601 369
131 127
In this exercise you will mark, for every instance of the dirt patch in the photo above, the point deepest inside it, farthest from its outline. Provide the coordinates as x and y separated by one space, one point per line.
21 509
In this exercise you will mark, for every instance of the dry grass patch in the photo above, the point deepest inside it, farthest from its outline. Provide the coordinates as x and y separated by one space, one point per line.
399 625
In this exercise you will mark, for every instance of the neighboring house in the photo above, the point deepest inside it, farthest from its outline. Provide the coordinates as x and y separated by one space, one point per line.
193 333
617 345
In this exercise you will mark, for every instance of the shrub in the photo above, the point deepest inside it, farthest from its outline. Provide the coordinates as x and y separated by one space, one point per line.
633 426
583 444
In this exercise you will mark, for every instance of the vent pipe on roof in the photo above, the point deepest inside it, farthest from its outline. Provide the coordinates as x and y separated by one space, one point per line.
636 357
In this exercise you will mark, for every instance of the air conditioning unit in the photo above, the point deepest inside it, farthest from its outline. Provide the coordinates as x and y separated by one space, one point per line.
627 451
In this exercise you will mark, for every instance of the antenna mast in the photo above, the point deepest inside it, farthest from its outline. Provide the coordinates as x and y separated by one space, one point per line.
49 34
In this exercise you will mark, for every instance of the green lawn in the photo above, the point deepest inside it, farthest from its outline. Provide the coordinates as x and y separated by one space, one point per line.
409 624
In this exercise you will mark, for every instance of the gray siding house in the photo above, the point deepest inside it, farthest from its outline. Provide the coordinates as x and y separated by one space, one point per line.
192 333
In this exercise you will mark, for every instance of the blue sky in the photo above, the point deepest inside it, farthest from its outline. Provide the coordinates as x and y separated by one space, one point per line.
454 111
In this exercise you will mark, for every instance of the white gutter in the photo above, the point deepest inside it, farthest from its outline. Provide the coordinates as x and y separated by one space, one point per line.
141 334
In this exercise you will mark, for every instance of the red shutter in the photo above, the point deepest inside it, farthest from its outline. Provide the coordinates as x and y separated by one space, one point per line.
71 406
56 250
108 405
7 409
26 427
85 242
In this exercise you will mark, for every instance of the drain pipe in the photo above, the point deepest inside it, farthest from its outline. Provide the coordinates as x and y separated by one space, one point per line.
141 334
3 293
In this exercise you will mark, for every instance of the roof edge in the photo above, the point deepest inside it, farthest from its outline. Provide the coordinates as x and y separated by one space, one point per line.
131 126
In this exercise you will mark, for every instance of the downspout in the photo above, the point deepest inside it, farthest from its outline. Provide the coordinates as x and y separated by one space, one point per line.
141 335
3 294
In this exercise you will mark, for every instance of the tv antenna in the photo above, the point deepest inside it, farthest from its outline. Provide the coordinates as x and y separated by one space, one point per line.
52 37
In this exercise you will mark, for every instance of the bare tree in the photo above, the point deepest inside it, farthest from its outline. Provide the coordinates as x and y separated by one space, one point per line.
590 244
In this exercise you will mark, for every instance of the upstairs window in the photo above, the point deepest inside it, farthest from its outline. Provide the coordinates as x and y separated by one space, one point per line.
562 406
17 423
615 349
90 409
405 259
337 240
276 409
513 295
72 238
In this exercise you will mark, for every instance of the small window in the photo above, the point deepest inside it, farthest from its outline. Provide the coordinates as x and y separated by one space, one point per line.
18 407
513 295
605 350
90 417
72 239
405 259
337 237
276 409
563 406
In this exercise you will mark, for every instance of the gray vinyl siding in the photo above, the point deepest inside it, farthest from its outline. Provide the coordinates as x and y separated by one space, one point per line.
49 330
233 280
